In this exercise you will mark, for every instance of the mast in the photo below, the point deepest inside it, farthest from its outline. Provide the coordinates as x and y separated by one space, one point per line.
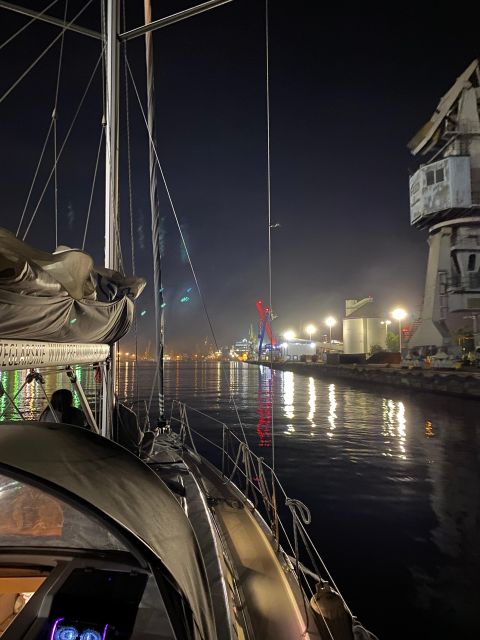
111 169
111 137
155 213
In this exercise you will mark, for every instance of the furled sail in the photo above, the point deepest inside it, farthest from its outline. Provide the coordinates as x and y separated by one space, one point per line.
61 297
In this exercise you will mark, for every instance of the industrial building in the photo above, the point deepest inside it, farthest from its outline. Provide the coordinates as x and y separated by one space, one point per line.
241 349
297 349
364 326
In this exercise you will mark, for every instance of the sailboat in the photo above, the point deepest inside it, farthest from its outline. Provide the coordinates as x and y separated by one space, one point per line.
121 531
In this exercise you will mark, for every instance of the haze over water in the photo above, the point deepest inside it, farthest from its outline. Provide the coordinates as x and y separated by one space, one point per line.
392 480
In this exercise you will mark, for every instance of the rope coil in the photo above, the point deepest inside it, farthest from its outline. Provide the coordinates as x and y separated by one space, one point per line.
299 510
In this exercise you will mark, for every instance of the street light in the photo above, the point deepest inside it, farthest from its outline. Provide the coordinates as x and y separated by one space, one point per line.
399 314
289 335
330 322
310 329
386 323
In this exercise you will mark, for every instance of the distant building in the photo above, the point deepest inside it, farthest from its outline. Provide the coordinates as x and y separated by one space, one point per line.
364 326
296 348
241 346
240 349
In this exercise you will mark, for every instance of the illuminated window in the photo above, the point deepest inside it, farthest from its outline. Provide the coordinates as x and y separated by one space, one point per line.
439 176
472 262
430 178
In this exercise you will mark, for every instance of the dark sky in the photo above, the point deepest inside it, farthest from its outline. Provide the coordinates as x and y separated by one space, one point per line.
348 89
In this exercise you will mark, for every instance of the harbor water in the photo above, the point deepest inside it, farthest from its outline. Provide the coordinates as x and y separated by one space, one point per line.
392 479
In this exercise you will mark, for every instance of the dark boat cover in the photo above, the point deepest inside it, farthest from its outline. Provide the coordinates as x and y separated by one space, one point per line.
61 297
78 463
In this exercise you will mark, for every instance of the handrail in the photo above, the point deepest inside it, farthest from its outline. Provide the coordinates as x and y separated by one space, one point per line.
253 469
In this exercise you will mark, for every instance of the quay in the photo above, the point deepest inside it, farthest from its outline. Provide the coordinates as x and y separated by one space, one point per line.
460 383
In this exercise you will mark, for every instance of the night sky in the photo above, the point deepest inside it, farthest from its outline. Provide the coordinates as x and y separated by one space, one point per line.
348 90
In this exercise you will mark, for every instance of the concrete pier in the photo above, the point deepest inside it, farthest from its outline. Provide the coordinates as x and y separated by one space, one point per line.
463 383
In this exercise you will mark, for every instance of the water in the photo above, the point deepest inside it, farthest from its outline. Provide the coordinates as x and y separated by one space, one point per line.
392 480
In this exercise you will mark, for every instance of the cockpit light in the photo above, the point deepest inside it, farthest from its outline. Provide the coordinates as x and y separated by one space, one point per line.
76 631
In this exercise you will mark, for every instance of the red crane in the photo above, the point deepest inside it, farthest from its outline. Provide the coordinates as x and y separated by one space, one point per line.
265 317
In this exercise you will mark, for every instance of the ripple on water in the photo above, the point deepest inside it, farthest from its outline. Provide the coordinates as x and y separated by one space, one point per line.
392 480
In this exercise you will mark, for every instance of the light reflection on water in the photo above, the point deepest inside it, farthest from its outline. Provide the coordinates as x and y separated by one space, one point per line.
393 483
394 428
311 404
32 398
128 379
288 393
332 416
392 480
264 424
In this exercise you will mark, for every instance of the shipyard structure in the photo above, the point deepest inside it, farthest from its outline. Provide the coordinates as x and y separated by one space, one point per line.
445 199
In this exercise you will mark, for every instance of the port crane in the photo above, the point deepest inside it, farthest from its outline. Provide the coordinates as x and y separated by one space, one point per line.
265 319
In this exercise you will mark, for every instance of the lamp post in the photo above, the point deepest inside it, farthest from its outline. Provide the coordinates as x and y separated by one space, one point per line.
310 329
399 314
386 323
330 322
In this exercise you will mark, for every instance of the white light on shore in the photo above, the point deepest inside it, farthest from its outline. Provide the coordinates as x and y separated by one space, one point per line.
399 314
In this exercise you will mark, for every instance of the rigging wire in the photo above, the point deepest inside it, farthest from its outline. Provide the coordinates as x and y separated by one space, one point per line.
17 33
129 163
93 183
155 221
182 237
43 53
269 225
54 118
47 138
104 122
120 267
129 172
269 200
130 197
63 144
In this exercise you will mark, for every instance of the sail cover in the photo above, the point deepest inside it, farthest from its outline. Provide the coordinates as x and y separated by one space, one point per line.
61 297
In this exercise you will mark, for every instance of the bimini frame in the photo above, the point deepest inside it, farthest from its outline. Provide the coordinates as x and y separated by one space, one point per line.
33 356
